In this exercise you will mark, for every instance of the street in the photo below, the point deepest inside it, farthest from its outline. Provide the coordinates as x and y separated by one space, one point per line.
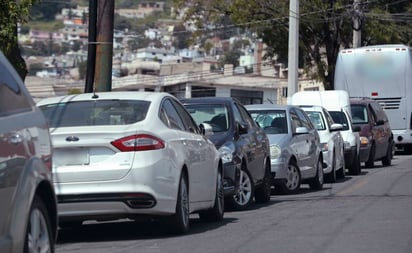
366 213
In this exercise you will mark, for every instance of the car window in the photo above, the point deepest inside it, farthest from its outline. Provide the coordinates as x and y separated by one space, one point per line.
170 116
317 119
217 115
10 91
340 118
188 122
328 118
95 113
236 113
377 111
271 121
245 115
294 120
304 120
359 114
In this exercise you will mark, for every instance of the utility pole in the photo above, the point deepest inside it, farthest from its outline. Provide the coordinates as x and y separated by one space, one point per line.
293 53
91 48
357 23
104 46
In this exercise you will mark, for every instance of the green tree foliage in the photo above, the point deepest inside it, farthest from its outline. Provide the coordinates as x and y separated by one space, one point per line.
47 10
13 12
325 26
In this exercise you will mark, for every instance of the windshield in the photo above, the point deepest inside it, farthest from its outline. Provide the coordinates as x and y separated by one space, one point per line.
272 122
214 114
340 118
95 113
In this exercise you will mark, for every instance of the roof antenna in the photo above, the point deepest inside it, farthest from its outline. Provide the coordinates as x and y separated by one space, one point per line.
94 94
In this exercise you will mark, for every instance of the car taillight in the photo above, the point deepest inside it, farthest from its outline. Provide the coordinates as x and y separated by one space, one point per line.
138 142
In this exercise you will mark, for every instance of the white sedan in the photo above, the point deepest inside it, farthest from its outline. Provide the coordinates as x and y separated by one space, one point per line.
132 154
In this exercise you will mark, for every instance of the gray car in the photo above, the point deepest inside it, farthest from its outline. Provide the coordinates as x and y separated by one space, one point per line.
295 148
28 215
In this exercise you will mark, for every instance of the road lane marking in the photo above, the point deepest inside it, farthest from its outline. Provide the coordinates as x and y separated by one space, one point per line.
354 187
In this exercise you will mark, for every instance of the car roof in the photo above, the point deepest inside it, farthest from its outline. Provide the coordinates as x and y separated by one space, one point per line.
312 108
269 107
202 100
126 95
360 100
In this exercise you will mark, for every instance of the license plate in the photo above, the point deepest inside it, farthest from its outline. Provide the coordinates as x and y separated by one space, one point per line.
67 157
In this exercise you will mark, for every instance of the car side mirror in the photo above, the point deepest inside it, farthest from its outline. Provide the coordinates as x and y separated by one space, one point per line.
380 122
206 129
301 130
336 127
242 128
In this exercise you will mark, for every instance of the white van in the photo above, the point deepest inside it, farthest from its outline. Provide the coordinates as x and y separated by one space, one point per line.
338 105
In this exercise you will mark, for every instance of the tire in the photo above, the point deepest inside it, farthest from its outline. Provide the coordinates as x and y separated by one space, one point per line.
355 169
387 160
39 234
244 197
217 211
342 172
316 183
370 163
292 185
262 194
180 220
331 177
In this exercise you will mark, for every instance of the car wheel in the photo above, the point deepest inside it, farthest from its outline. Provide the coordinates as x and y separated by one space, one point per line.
39 235
262 194
180 220
216 213
342 172
370 163
293 179
387 160
331 177
316 183
244 197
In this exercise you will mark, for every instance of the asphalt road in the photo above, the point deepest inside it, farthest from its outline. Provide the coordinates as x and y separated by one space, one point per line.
371 212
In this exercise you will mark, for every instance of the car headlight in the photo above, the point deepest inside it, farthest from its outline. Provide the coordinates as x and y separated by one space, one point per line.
226 152
324 146
364 140
275 151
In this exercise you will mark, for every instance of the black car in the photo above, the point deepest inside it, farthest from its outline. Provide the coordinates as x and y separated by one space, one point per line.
243 146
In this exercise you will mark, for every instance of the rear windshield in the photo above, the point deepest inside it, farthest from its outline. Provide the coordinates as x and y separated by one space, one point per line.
216 115
272 121
95 113
340 118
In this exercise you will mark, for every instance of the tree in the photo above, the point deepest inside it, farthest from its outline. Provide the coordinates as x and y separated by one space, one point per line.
13 12
325 26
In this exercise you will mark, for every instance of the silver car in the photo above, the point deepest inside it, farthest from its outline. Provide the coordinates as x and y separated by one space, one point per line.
28 216
295 150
